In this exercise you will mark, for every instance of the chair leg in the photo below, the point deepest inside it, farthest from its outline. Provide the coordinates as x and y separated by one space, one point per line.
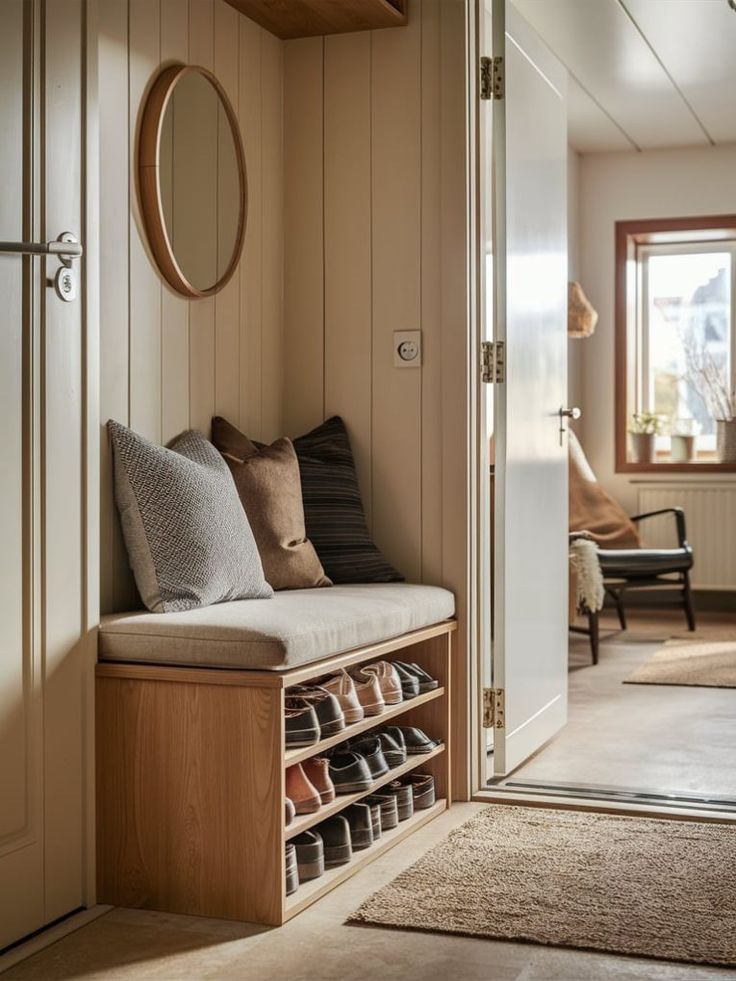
594 635
615 595
687 601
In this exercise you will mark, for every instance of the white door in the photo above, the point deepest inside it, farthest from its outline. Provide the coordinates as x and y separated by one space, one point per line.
46 650
529 313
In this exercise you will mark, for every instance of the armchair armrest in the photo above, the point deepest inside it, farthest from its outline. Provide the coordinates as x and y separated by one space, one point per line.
679 521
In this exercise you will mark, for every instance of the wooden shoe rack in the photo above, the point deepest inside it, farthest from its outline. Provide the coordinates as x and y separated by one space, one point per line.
190 780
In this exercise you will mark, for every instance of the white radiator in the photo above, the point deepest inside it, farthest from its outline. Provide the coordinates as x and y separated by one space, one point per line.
710 512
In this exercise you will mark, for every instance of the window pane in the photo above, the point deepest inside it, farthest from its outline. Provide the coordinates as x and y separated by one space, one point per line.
689 340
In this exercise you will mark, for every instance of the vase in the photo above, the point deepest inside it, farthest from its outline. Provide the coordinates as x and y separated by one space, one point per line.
682 448
642 447
726 440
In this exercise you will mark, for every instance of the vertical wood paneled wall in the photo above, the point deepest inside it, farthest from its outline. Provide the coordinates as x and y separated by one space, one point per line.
374 198
168 363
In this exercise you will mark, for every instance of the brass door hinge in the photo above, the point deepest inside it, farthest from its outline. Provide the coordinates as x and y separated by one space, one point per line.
492 362
491 78
494 708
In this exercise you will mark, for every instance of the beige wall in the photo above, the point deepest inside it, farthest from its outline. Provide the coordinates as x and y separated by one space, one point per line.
168 363
375 242
616 186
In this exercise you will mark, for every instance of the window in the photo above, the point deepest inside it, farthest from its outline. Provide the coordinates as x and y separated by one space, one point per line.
676 341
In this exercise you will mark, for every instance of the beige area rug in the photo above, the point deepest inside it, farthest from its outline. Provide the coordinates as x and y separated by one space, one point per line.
704 664
664 889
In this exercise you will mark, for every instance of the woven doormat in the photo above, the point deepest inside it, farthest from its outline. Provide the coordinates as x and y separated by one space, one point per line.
664 889
702 663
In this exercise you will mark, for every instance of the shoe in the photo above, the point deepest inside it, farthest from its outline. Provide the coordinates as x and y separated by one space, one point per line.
422 787
301 724
369 747
393 745
317 771
301 791
369 694
409 681
289 811
342 687
335 835
292 872
404 798
376 826
361 825
349 773
388 680
417 741
426 681
310 855
330 715
389 808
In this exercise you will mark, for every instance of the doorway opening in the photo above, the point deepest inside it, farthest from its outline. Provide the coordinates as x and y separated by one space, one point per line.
614 700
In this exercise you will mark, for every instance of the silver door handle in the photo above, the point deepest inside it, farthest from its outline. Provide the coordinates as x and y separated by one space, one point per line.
66 248
573 413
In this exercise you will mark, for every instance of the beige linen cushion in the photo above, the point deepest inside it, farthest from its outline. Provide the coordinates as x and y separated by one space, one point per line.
295 627
270 490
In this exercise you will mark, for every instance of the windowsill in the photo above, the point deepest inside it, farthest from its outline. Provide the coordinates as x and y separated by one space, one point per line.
706 464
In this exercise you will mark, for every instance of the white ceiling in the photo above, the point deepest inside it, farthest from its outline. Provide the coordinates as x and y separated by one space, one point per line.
644 74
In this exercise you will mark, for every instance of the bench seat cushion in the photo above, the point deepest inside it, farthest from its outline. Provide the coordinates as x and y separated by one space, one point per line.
295 627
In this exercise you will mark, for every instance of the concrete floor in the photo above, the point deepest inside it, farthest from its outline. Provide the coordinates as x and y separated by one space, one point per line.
642 737
317 946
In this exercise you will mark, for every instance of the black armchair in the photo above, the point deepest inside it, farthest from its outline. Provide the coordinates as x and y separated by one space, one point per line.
635 568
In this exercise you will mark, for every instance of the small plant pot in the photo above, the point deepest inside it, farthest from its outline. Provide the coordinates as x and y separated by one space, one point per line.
682 448
726 440
642 447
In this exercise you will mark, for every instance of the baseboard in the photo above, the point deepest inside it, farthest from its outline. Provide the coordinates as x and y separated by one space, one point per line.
49 935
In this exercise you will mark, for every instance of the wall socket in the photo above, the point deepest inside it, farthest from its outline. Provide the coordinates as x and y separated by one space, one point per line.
407 348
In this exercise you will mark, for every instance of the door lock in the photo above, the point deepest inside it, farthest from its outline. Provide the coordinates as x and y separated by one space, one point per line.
573 413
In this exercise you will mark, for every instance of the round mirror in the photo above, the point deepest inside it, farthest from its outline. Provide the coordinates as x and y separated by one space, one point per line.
192 184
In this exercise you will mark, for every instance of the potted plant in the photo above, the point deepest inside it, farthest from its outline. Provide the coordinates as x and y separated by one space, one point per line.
645 427
682 441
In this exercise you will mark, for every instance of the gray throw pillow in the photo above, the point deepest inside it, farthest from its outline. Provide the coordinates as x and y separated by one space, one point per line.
187 535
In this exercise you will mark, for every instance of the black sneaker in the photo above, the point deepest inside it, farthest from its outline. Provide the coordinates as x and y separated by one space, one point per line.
389 808
361 825
425 682
404 798
292 874
369 747
409 681
393 745
301 724
310 855
335 835
330 716
422 787
350 773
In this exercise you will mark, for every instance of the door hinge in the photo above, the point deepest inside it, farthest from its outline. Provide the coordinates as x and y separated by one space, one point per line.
491 78
494 708
492 362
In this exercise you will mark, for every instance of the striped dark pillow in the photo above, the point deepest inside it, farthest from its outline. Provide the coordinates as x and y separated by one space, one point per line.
333 509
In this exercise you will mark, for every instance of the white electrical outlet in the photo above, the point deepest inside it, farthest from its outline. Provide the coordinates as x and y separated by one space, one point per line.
407 348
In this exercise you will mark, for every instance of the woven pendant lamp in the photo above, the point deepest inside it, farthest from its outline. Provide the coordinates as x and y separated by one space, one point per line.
581 315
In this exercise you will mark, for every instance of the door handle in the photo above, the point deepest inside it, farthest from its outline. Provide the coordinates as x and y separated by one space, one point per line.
66 248
573 413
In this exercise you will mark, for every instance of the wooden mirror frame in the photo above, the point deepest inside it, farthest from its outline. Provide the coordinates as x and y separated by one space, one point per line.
149 188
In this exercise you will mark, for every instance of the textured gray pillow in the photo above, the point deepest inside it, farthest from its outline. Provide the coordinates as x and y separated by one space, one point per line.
188 538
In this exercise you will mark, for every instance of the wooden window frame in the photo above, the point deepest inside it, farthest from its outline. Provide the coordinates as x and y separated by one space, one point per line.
630 234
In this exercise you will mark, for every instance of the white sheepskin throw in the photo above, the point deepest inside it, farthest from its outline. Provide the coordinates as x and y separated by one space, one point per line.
588 576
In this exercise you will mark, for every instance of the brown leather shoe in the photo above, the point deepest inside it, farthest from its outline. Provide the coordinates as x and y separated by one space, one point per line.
317 770
301 791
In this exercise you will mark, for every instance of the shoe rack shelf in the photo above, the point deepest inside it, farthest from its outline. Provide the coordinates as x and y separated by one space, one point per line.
190 780
305 821
302 753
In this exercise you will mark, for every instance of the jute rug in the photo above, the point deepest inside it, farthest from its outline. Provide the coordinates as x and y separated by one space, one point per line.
589 881
705 664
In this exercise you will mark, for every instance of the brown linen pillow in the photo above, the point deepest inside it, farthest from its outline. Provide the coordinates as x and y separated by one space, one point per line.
268 483
595 511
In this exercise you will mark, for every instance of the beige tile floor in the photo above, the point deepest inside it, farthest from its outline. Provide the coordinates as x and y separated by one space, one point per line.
643 737
318 946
